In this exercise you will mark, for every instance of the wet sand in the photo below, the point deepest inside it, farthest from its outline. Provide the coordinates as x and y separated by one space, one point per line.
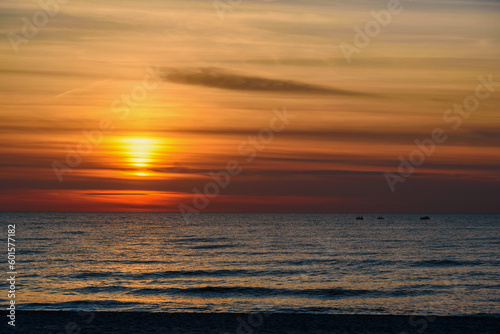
57 322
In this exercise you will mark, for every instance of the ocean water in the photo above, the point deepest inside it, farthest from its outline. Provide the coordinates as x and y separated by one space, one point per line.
308 263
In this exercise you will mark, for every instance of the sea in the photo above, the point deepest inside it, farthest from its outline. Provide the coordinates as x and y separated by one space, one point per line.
256 262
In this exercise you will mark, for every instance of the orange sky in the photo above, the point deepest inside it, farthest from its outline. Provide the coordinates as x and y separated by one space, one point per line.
157 95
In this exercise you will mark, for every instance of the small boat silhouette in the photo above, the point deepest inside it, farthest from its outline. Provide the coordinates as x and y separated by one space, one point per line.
380 218
425 217
359 218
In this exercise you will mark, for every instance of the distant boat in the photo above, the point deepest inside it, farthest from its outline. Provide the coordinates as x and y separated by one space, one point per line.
359 218
380 218
425 217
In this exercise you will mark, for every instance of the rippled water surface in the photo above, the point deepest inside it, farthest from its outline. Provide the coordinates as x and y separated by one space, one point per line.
316 263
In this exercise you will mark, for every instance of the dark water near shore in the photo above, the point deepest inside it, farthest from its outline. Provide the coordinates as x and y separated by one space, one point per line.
312 263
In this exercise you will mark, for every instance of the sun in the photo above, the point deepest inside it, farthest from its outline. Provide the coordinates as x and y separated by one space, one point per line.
141 153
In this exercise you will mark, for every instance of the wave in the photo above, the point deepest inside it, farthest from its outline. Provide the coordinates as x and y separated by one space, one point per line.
337 261
78 304
100 289
306 262
407 292
196 239
37 239
255 292
141 262
445 263
186 274
224 291
87 275
31 251
315 310
212 246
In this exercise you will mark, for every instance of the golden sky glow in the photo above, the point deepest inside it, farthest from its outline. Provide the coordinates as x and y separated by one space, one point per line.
154 96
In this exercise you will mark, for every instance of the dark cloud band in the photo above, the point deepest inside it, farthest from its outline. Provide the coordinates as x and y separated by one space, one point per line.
218 78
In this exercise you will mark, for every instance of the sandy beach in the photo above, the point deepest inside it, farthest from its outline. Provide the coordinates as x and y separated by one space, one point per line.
57 322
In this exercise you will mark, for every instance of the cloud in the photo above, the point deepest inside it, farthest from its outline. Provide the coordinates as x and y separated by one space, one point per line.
219 78
270 172
116 194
